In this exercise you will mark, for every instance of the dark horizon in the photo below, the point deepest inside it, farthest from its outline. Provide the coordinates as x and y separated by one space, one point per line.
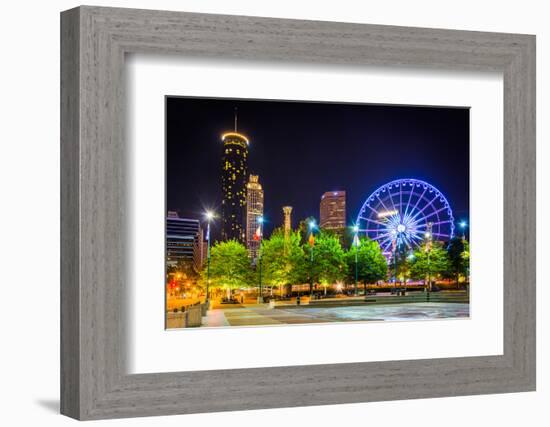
301 150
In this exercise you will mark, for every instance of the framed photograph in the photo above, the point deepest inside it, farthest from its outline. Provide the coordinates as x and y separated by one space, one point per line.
349 208
249 243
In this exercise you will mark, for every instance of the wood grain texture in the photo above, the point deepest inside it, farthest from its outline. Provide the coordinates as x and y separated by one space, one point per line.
70 291
95 383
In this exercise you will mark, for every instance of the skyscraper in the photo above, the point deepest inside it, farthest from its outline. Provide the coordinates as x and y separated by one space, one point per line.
182 236
333 210
254 210
234 173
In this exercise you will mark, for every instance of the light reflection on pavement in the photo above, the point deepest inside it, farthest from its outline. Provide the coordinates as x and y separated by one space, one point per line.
261 315
390 312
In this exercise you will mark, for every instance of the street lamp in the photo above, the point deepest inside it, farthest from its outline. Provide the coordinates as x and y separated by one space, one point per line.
311 243
356 244
410 258
395 243
428 236
261 227
209 215
463 225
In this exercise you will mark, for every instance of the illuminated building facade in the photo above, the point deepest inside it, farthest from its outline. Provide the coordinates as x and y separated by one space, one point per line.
234 174
333 210
182 235
254 210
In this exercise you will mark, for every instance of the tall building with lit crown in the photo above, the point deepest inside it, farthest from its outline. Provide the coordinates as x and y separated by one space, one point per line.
254 210
333 210
234 174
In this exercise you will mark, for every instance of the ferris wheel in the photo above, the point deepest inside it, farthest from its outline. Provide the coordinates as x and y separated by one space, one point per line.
402 213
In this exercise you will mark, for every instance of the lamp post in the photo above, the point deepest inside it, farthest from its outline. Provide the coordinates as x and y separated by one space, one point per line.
428 236
261 227
356 244
410 257
311 244
395 265
394 250
209 217
463 225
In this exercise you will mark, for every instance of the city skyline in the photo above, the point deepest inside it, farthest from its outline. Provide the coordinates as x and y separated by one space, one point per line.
367 198
435 136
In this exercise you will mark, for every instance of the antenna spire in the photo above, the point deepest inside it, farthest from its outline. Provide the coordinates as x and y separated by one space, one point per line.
235 119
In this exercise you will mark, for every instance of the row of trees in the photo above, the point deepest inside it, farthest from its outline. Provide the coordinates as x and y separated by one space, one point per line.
293 259
290 260
438 260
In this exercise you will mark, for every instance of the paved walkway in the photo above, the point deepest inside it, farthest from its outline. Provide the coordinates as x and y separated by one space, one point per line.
260 315
214 318
257 315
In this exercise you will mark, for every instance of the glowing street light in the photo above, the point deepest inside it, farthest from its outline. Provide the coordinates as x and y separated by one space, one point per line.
463 224
311 243
428 235
356 245
260 221
209 215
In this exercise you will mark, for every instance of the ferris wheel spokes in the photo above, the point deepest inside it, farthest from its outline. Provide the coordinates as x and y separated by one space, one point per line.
399 212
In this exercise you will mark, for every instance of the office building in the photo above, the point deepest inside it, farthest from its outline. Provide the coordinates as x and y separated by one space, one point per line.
181 236
333 210
254 210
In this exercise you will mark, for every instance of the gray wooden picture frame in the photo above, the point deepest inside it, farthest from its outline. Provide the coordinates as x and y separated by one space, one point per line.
94 381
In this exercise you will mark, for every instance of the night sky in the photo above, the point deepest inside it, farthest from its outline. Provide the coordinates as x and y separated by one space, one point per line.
302 149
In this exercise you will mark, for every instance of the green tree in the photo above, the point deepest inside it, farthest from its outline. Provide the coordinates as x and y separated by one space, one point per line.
466 258
371 263
283 260
429 263
344 234
229 266
458 263
347 235
328 265
399 259
303 229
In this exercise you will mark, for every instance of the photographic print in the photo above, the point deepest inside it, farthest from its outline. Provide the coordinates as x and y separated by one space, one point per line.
299 212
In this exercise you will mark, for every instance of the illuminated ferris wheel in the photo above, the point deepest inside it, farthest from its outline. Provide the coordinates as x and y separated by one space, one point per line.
403 212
